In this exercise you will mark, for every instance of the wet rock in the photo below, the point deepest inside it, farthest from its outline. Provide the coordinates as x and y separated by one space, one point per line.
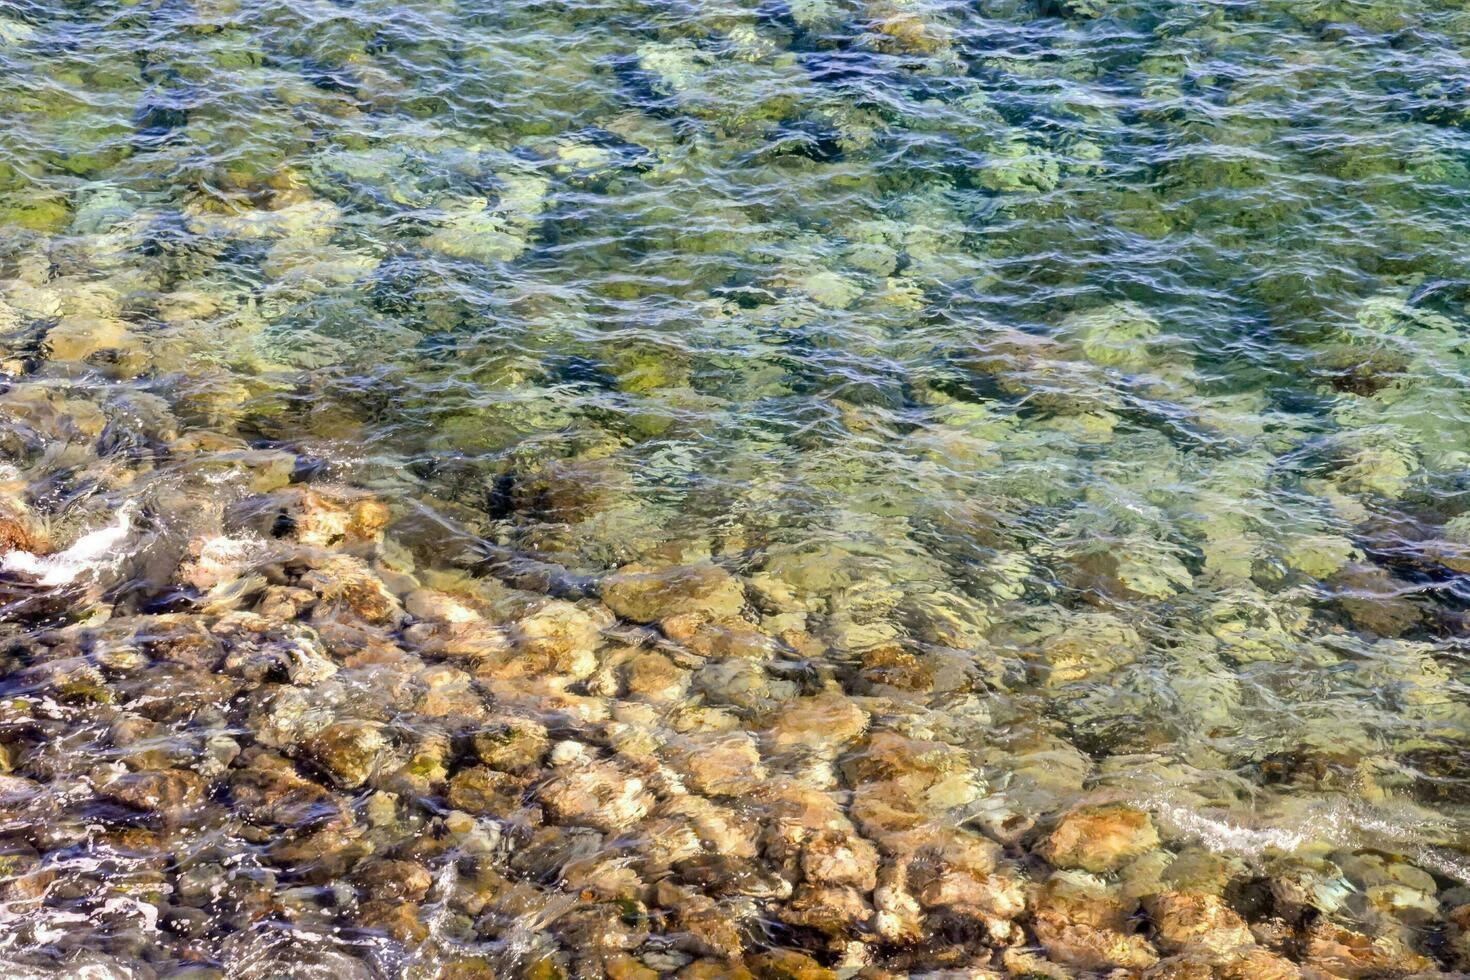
712 969
1345 953
907 31
727 830
1375 601
348 751
1257 964
270 792
959 875
825 721
511 744
700 925
346 585
455 967
737 682
320 855
183 640
787 964
400 920
450 694
719 639
17 791
1020 962
727 765
898 917
216 561
434 606
1183 921
480 643
1459 935
1084 924
621 966
170 792
280 603
561 636
482 790
832 858
646 595
1099 838
18 530
317 517
833 912
594 793
907 790
78 337
395 881
1092 645
653 676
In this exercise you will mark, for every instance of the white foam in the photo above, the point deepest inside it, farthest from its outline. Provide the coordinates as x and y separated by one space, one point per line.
91 552
1340 823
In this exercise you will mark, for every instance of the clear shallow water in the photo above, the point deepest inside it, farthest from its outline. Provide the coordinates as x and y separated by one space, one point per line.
1008 406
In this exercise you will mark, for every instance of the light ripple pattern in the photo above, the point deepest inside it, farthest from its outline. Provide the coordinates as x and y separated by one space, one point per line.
796 489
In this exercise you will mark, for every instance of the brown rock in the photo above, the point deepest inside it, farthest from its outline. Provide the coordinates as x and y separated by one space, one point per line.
701 926
907 32
271 792
1027 963
383 879
825 721
346 584
1087 948
465 968
559 637
724 765
482 790
1083 923
1375 601
1100 838
889 755
1345 953
511 744
400 920
1459 936
711 969
833 858
654 677
1258 964
347 752
169 791
621 966
597 794
16 532
78 337
830 911
718 640
788 964
891 665
320 516
1185 921
646 595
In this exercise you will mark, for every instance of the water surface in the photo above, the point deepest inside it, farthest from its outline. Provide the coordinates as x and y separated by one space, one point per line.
514 489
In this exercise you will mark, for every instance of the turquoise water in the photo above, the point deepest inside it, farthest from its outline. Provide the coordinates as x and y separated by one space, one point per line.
941 415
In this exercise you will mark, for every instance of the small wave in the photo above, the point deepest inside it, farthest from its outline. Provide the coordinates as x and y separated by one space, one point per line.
91 552
1341 823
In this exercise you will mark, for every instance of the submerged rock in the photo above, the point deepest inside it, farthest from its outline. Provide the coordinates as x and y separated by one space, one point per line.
646 595
348 751
1100 838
